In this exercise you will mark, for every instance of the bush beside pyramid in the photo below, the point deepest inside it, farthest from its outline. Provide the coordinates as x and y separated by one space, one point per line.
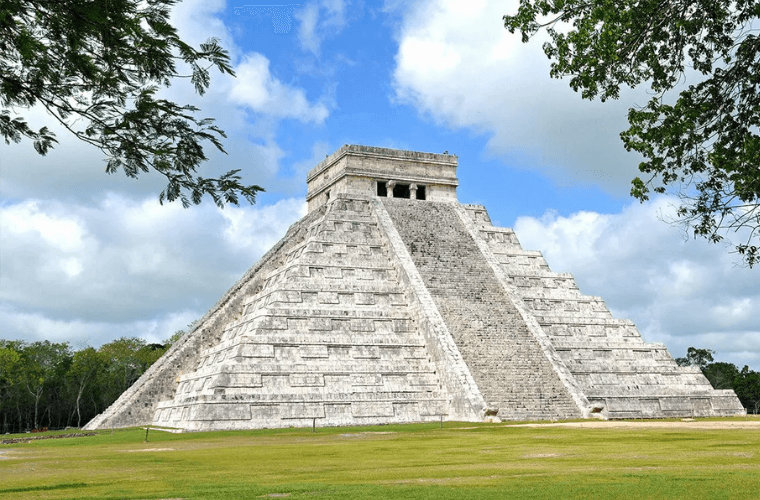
390 302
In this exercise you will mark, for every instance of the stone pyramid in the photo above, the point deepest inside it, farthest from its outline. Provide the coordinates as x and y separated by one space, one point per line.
391 302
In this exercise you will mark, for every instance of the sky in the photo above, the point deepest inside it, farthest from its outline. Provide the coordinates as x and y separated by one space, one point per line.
87 257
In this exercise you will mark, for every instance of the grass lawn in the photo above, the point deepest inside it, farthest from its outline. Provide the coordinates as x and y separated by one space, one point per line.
462 460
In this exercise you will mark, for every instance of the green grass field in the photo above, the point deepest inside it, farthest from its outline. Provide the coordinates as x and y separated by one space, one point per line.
412 461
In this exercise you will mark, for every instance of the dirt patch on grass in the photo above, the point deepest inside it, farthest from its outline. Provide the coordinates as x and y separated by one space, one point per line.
52 436
542 455
364 434
654 424
147 450
743 454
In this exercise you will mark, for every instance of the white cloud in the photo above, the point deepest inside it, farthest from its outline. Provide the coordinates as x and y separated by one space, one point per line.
319 151
198 20
681 292
132 263
256 230
258 90
307 36
457 64
319 20
80 333
61 232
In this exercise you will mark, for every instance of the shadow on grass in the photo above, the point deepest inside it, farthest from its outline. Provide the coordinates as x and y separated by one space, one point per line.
44 488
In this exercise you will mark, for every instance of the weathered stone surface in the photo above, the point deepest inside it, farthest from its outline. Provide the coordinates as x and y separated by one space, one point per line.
379 309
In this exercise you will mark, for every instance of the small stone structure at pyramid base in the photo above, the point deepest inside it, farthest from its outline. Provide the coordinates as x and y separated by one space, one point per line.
391 302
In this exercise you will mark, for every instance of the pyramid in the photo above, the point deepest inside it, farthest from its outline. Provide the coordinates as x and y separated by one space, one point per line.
391 302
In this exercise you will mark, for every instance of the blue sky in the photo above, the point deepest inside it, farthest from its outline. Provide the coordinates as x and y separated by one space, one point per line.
86 257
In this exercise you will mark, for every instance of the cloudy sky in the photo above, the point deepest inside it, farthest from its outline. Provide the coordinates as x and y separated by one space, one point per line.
87 257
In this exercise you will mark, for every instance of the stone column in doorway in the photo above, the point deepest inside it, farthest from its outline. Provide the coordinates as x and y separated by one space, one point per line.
390 186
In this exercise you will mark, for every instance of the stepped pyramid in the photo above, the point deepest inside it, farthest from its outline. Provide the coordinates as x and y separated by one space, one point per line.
391 302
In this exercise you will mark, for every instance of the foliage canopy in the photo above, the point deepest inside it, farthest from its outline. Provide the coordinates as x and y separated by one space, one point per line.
48 384
96 67
705 146
696 357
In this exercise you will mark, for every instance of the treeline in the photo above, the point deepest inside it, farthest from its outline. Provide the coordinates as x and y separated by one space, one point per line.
744 382
46 384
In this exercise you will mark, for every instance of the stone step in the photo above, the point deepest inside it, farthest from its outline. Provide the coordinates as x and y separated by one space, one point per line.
326 397
266 366
604 343
545 319
305 350
621 367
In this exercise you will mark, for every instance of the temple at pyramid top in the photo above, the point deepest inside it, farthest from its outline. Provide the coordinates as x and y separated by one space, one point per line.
383 172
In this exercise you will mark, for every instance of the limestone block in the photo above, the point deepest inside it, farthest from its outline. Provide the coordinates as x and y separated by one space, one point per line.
236 380
256 351
402 325
303 410
265 413
321 324
383 326
306 380
726 402
365 352
313 351
682 405
333 273
422 379
364 298
366 379
338 414
701 406
362 325
433 408
372 409
381 300
340 325
220 411
406 412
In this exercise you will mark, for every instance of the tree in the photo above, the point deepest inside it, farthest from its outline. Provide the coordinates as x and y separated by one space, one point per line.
696 357
706 145
82 373
96 66
721 375
123 361
46 384
747 388
44 365
10 377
